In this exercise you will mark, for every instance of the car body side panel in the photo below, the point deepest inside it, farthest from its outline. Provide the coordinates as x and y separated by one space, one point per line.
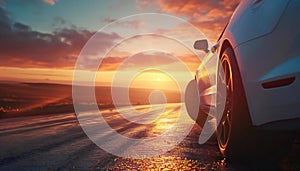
270 56
252 20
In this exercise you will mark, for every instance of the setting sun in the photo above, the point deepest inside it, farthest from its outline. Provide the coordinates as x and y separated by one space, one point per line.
154 80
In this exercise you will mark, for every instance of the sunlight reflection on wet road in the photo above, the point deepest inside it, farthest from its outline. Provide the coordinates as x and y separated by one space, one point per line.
57 142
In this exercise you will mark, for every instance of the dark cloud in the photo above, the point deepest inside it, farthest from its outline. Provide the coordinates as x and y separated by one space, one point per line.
21 27
4 20
109 20
58 21
135 24
21 46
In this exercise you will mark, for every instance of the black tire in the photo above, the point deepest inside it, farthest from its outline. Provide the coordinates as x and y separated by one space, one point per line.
243 141
192 100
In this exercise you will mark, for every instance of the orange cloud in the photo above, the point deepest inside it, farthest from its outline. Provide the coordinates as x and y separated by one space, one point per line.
51 2
145 4
209 16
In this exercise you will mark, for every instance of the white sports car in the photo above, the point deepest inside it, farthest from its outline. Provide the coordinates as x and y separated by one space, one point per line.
259 64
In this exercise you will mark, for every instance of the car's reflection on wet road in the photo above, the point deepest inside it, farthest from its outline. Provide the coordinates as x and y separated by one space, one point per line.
57 142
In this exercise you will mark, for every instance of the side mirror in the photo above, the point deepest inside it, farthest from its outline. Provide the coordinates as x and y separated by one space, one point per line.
201 45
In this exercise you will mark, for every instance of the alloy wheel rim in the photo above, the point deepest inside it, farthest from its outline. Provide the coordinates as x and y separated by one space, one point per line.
224 127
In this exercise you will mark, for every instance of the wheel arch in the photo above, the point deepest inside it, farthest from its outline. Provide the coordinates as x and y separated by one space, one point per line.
227 44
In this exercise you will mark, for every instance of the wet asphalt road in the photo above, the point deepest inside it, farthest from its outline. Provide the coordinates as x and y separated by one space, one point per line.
57 142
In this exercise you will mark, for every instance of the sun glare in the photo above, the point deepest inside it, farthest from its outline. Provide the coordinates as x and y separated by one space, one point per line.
154 80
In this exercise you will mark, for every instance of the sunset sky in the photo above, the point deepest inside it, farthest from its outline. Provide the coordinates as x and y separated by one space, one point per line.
40 40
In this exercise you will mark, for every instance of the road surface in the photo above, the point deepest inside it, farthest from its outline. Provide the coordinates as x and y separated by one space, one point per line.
57 142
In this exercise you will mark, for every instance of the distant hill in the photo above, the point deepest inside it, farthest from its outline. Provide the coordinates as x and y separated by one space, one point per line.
20 99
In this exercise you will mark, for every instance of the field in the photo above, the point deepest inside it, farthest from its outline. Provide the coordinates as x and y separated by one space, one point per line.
24 99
